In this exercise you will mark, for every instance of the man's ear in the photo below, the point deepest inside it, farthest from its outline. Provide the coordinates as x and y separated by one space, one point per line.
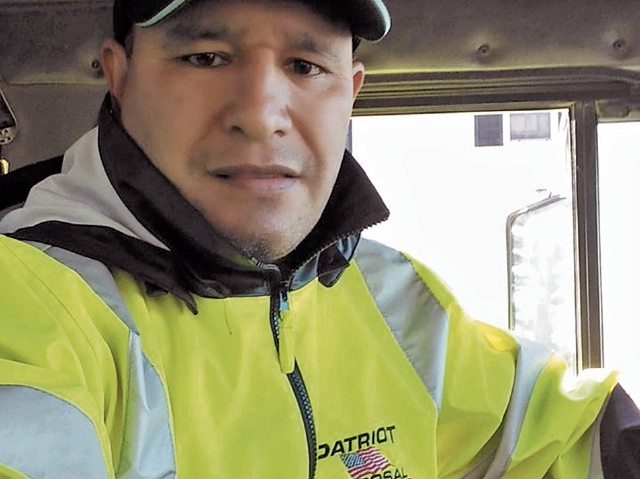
358 77
115 62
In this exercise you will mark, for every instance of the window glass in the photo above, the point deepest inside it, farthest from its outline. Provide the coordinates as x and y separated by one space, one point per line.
488 130
619 191
450 201
530 126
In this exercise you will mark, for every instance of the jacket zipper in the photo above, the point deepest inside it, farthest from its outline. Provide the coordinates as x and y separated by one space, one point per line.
279 308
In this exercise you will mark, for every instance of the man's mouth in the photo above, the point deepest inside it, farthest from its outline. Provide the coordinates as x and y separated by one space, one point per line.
257 179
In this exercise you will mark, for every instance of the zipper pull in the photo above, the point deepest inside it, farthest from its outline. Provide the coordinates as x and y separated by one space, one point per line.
287 336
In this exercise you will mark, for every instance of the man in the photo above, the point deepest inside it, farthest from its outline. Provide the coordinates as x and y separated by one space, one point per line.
191 298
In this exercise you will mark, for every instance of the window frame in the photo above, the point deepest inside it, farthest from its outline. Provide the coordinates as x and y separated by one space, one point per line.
592 96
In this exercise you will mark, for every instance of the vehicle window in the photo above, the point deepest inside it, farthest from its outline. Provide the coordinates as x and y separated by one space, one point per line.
450 196
619 177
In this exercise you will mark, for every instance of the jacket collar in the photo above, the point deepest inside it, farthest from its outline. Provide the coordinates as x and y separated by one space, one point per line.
197 259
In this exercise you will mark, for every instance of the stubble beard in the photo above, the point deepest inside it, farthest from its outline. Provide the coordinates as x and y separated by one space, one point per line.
270 248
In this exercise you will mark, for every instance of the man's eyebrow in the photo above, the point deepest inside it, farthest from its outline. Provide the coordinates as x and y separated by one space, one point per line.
184 32
308 43
187 32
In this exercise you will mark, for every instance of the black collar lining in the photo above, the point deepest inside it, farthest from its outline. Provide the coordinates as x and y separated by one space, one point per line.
200 261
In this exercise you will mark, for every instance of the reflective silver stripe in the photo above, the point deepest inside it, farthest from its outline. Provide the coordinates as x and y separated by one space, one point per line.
420 326
98 277
532 358
147 451
148 446
480 469
45 437
419 323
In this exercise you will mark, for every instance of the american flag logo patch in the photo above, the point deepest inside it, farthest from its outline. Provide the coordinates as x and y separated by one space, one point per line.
366 461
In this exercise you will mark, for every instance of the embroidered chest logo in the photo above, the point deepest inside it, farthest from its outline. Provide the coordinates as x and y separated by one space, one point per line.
361 455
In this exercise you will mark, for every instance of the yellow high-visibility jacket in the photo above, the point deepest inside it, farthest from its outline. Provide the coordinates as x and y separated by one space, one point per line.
128 357
363 367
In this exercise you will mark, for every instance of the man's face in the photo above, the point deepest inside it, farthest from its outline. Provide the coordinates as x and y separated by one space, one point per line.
244 107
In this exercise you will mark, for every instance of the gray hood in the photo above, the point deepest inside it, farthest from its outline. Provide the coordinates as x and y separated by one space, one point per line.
81 194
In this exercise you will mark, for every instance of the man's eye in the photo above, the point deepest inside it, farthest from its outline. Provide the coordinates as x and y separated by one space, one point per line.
205 60
303 67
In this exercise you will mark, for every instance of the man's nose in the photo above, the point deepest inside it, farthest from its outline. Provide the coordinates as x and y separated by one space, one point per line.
258 106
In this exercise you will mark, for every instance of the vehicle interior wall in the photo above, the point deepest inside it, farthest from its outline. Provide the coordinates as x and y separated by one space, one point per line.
441 49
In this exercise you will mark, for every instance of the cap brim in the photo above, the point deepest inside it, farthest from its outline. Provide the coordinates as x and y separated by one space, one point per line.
368 19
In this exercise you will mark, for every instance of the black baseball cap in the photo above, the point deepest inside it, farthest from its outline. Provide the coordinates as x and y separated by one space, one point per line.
368 19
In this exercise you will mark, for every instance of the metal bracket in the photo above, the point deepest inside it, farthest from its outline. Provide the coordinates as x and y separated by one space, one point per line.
8 124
